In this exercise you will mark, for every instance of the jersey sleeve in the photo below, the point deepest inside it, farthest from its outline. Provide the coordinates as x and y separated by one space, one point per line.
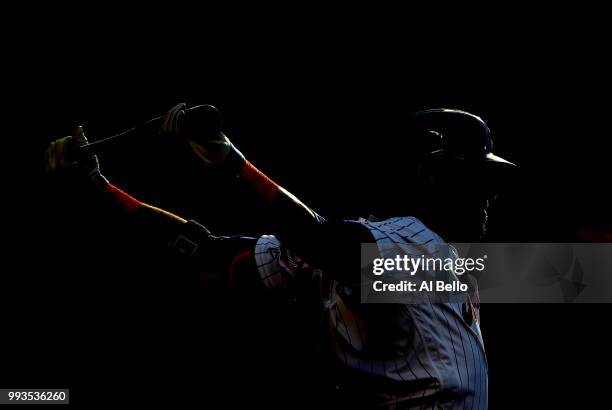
278 267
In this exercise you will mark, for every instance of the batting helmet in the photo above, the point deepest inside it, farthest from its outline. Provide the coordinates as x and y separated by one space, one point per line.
457 135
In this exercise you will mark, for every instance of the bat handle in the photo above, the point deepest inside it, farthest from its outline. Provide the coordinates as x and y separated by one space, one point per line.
114 141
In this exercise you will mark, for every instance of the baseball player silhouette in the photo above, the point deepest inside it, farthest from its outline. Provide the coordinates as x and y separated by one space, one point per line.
427 355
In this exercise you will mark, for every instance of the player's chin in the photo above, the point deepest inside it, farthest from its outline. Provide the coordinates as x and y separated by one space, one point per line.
473 233
483 230
480 227
475 230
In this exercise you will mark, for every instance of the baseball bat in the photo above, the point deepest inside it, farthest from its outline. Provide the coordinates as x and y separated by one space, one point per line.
199 123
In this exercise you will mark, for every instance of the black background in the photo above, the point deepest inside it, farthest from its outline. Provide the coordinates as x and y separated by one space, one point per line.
318 102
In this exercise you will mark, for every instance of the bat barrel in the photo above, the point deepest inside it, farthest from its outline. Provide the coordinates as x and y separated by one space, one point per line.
200 123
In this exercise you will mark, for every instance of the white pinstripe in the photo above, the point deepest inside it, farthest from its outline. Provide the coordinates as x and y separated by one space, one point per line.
428 348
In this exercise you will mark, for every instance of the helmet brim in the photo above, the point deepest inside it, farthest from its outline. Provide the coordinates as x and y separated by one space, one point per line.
492 173
492 158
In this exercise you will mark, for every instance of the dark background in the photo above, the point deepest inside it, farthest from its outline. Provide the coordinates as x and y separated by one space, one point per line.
320 106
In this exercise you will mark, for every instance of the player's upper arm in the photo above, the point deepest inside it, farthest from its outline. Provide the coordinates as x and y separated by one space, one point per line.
333 247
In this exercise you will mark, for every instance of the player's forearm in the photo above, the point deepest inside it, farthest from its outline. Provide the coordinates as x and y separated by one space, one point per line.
133 206
226 260
154 226
213 148
287 208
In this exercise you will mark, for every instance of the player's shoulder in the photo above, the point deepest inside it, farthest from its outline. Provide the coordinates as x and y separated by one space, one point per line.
407 232
267 247
406 226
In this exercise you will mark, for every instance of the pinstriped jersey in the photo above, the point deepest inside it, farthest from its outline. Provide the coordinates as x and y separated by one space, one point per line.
425 355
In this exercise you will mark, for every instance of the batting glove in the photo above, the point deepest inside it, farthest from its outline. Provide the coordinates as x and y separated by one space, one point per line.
211 149
63 155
